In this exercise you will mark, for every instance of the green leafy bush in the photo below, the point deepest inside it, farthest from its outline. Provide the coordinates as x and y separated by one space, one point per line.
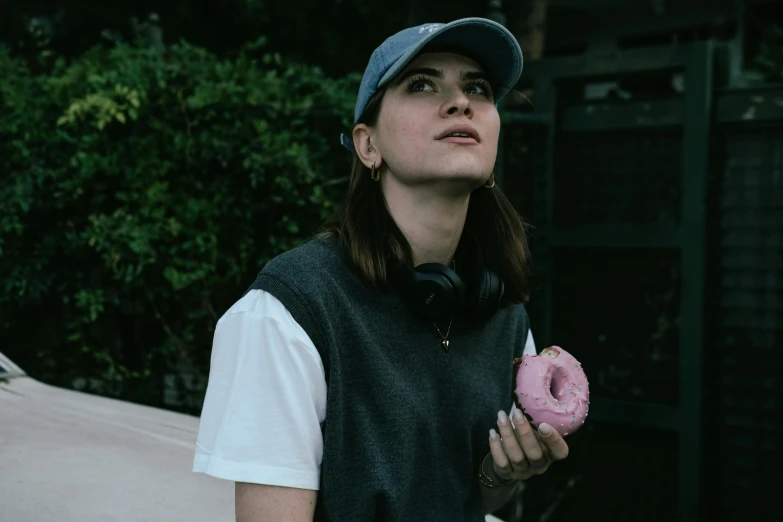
142 189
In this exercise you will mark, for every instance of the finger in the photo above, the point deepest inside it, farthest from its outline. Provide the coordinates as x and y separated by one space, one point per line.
502 464
510 442
536 457
554 442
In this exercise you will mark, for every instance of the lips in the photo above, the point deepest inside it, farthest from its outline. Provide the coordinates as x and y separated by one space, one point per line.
464 131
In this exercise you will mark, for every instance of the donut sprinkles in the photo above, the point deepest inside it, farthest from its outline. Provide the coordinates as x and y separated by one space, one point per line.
552 387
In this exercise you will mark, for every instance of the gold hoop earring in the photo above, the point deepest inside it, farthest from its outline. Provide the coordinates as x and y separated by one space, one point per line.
375 175
491 181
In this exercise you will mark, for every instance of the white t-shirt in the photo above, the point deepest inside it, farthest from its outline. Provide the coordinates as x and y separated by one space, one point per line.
266 398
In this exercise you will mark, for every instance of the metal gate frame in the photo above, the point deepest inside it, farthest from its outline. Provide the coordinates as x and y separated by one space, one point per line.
694 114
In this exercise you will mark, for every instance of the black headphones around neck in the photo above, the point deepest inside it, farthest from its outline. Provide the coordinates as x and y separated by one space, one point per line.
435 291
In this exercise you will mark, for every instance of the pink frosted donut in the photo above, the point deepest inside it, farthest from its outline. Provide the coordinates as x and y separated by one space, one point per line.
551 387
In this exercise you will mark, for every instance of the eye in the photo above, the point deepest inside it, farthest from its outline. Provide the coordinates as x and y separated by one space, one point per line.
421 84
479 87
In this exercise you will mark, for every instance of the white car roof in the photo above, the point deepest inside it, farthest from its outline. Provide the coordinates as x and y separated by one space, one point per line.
72 456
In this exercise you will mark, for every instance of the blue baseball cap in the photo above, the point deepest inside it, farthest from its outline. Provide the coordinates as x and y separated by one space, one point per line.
491 44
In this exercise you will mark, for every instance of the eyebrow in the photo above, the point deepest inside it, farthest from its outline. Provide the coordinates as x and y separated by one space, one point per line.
437 73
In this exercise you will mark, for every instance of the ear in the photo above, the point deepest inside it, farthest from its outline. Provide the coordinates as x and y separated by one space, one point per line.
363 142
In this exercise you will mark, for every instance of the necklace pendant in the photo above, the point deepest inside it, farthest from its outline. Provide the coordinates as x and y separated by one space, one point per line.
445 344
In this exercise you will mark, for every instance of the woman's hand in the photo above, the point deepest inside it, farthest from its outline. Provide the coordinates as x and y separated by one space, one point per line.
523 451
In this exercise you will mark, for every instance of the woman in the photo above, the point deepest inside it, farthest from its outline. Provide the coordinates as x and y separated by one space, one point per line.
346 385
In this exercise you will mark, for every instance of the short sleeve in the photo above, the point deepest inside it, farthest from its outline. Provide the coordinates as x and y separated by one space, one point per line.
530 344
265 399
530 349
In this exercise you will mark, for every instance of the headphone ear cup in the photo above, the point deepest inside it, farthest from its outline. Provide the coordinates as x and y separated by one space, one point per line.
435 291
487 295
495 293
484 286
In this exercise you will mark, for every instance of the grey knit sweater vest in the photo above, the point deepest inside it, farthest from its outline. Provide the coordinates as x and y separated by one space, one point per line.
407 424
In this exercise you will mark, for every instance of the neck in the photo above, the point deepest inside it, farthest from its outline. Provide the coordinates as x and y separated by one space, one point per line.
430 220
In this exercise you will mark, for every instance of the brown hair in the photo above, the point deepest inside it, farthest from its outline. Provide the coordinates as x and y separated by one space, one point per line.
370 240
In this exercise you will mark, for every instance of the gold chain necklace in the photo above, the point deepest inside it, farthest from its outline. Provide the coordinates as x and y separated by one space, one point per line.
445 338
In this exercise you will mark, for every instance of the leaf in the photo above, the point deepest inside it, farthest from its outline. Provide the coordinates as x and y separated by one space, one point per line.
143 233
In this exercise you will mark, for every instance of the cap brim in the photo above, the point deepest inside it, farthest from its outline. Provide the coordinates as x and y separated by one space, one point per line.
489 42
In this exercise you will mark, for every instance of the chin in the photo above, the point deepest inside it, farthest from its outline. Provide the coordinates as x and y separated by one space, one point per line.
468 167
472 171
470 177
467 180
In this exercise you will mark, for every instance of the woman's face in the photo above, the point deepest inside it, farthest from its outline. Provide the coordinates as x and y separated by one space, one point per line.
438 121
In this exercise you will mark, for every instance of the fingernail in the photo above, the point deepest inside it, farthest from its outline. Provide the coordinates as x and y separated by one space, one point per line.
493 435
518 417
545 429
502 417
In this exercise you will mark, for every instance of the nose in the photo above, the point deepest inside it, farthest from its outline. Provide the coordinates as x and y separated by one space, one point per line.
458 104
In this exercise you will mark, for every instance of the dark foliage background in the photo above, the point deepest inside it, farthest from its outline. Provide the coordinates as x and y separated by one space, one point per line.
143 185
